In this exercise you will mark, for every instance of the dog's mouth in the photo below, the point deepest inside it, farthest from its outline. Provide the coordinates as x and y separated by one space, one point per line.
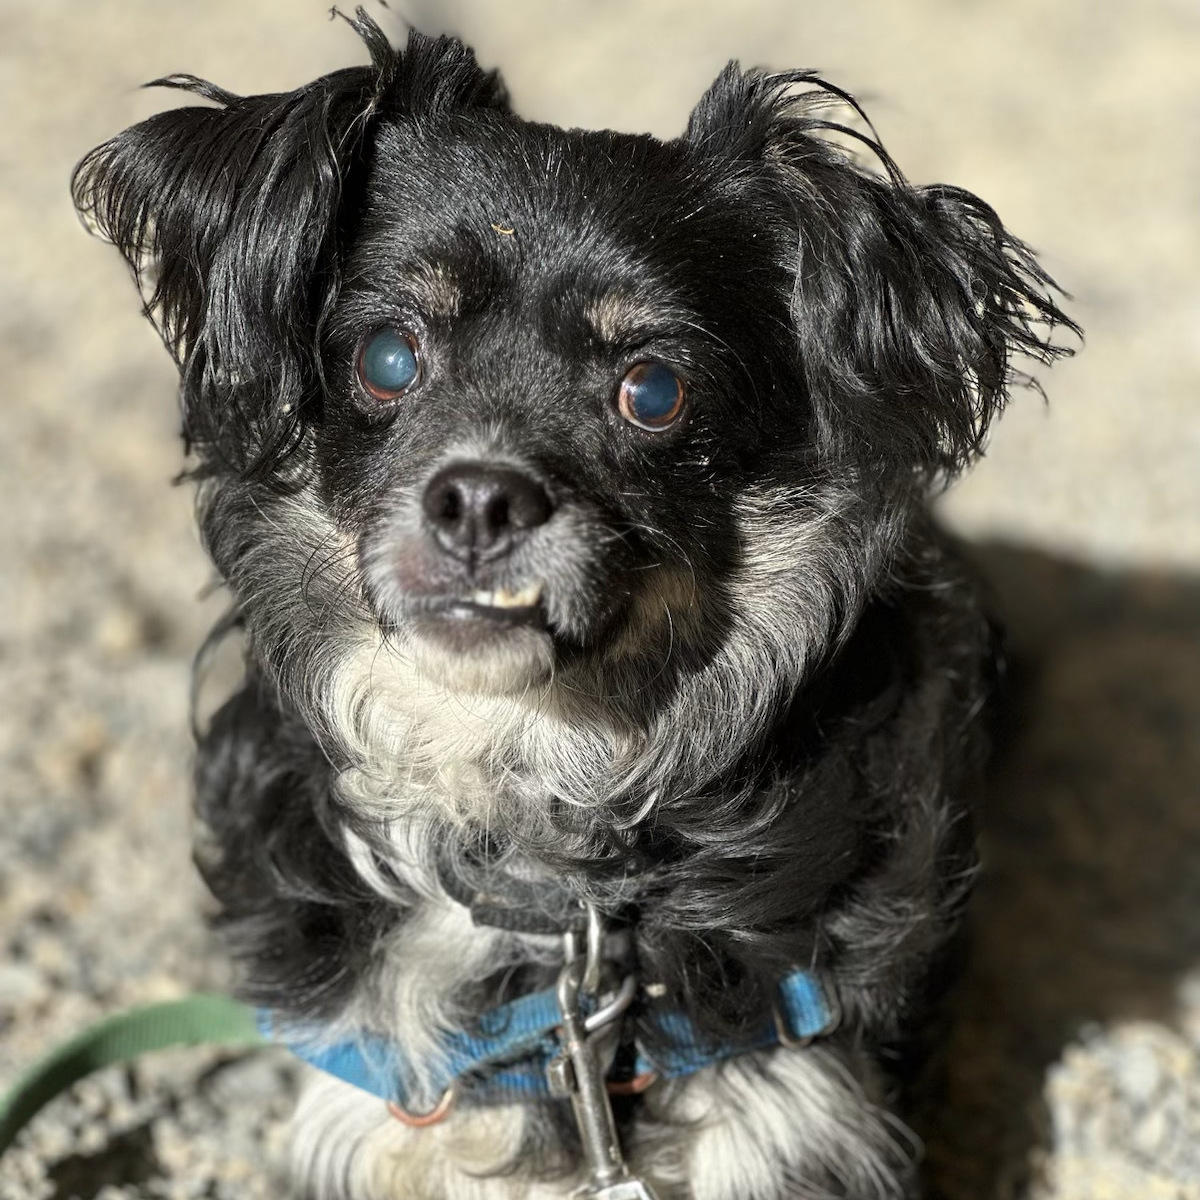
495 621
497 607
491 640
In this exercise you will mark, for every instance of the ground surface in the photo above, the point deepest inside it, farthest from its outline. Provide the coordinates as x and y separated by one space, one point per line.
1073 1064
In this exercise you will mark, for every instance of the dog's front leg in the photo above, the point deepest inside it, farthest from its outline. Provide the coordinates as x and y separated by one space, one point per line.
347 1146
775 1126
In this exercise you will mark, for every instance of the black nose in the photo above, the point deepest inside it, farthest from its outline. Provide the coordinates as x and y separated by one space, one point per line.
479 512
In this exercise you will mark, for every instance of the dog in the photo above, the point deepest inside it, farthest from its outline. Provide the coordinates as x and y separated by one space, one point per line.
601 658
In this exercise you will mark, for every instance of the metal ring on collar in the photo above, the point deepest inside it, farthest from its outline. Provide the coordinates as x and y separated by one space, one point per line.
632 1087
615 1007
595 951
439 1112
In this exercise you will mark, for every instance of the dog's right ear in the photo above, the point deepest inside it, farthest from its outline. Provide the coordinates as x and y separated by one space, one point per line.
230 217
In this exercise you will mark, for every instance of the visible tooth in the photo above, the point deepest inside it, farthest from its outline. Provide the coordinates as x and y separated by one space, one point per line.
526 597
530 594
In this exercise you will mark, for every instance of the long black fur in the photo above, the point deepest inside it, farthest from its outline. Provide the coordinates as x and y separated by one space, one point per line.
846 333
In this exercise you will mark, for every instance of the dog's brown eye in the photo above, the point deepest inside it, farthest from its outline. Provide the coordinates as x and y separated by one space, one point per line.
387 363
651 396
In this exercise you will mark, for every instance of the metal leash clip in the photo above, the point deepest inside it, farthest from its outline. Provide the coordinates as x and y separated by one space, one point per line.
577 1072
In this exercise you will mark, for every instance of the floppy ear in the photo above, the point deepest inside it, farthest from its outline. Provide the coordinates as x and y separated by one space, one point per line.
229 217
908 304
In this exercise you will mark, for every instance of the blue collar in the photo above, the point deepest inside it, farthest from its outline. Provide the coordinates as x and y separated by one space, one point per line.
504 1059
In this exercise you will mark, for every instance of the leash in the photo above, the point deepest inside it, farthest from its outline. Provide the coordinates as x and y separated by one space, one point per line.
557 1043
197 1020
505 1059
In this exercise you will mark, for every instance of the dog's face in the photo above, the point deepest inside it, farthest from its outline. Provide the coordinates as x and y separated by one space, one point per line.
552 373
644 419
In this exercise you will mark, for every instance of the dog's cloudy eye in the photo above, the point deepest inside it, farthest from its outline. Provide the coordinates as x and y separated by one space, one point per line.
387 363
651 396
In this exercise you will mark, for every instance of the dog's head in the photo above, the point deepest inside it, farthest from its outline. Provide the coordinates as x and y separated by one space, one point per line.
645 418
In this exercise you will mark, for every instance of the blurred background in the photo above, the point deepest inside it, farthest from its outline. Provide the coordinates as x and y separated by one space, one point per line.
1073 1066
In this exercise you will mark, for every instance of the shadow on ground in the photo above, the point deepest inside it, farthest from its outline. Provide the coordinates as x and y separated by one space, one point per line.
1088 910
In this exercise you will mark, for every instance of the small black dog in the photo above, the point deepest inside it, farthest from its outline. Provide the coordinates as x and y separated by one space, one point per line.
611 707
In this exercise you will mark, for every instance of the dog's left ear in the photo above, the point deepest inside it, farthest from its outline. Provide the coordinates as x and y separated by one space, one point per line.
908 304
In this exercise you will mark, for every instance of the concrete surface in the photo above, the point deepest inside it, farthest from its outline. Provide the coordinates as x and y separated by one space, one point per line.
1072 1066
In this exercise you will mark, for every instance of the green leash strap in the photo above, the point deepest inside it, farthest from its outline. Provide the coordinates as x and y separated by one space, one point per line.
196 1020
